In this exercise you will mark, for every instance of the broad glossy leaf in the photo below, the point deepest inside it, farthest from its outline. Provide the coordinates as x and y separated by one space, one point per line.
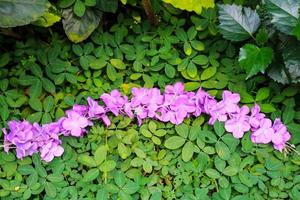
192 5
284 14
237 23
49 18
78 29
17 13
254 59
291 59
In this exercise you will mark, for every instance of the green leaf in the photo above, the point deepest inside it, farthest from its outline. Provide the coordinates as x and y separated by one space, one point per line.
170 71
107 6
222 150
90 2
107 166
50 189
237 23
87 160
262 94
123 151
187 48
100 154
208 73
65 3
79 8
36 104
117 63
200 60
91 175
192 70
36 89
212 173
219 128
190 86
131 187
296 30
230 171
182 130
174 142
48 103
120 179
111 72
18 13
78 29
254 59
288 115
48 85
4 59
55 178
187 151
284 14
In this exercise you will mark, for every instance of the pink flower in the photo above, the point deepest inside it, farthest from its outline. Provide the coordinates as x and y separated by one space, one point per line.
95 111
255 117
264 133
75 124
228 105
238 123
281 135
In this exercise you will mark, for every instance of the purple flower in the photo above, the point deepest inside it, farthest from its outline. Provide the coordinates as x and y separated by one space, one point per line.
74 124
80 109
228 105
115 103
238 123
51 150
177 104
255 117
281 135
264 133
23 136
145 102
95 111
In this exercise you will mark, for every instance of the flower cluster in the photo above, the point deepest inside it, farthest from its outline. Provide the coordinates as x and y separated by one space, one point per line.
174 105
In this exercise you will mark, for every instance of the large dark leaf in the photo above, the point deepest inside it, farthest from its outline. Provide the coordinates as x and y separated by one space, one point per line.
254 59
237 23
21 12
288 71
291 59
107 6
284 14
78 29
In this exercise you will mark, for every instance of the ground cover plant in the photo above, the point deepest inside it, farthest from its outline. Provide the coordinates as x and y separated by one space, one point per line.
43 74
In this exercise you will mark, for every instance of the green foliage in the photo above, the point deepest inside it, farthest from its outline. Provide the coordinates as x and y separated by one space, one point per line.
43 75
238 24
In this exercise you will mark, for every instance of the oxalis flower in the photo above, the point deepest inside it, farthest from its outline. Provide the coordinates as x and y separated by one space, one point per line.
95 111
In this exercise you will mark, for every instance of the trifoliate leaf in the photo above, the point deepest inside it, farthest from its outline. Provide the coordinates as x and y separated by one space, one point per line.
254 59
237 23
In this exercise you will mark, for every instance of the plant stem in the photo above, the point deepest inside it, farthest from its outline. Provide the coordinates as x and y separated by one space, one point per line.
149 12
